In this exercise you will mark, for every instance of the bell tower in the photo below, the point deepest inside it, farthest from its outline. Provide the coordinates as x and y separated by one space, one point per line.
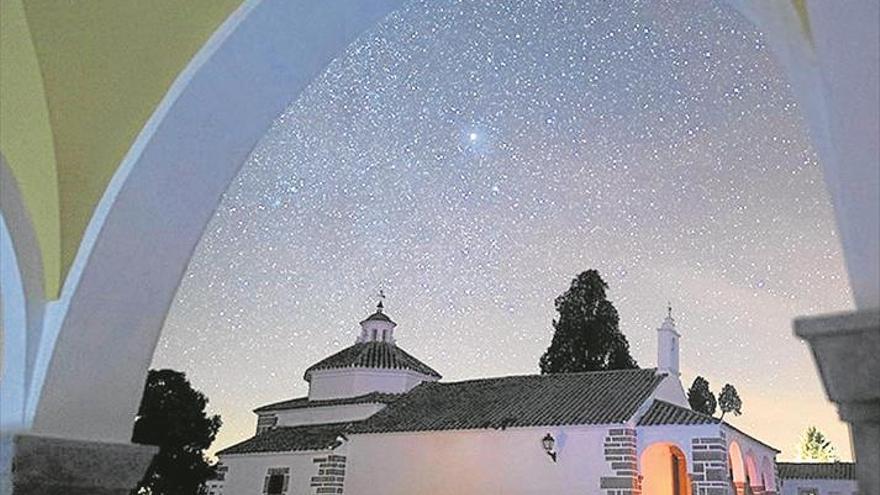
667 346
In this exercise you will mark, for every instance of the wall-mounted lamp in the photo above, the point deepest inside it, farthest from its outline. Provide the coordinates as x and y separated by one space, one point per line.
549 444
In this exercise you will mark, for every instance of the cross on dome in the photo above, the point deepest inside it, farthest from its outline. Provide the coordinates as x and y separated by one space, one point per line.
380 306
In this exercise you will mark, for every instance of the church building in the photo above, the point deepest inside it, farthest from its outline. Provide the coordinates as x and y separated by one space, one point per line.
378 421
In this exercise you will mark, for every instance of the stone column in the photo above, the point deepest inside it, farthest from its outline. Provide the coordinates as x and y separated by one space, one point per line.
846 348
39 465
709 475
621 454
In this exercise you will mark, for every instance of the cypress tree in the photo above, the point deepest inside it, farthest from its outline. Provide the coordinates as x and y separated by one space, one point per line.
586 335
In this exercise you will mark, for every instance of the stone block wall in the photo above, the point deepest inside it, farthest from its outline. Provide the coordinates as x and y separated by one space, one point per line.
330 476
621 454
709 472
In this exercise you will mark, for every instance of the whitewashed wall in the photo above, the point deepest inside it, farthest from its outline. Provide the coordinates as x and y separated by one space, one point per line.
247 472
670 390
512 462
331 414
334 384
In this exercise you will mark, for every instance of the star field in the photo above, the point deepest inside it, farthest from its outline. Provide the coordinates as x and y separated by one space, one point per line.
471 157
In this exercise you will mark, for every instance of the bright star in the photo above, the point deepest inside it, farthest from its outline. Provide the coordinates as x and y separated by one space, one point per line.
473 136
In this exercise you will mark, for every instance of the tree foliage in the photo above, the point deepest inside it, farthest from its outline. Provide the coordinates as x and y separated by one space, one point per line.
586 334
700 397
815 447
172 416
729 401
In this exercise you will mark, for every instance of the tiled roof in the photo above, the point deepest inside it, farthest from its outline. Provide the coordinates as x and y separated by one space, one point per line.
665 413
816 470
603 397
304 402
378 315
372 355
291 438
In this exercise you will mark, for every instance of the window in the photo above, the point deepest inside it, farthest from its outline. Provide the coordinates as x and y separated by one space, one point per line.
808 491
276 484
276 481
266 422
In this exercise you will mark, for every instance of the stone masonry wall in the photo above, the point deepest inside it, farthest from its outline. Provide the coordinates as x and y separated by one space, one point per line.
710 475
330 477
622 455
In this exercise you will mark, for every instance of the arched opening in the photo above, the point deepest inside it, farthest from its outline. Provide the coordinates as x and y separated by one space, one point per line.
154 185
753 476
736 467
664 470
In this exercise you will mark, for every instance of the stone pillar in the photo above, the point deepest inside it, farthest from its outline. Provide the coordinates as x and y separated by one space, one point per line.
710 474
621 454
38 465
330 474
846 348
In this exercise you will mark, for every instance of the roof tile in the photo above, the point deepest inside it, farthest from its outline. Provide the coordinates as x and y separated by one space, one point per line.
291 438
816 470
518 401
666 413
383 355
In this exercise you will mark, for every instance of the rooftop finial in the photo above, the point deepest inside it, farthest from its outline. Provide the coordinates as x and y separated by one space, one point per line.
669 309
381 306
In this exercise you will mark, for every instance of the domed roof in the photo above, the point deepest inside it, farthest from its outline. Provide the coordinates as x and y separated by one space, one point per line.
378 316
373 354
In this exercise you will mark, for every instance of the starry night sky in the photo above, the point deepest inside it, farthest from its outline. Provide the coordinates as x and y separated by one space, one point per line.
470 158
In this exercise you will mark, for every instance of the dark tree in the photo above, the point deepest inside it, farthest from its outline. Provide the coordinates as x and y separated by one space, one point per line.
586 335
172 416
700 397
729 401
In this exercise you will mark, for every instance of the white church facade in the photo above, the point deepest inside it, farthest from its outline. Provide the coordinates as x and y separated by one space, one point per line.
378 421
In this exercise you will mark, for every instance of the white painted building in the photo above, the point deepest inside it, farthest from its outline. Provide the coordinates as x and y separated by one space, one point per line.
817 478
378 421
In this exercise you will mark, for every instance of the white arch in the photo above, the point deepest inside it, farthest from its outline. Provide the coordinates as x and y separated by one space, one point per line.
838 89
736 462
138 244
22 300
153 214
752 469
